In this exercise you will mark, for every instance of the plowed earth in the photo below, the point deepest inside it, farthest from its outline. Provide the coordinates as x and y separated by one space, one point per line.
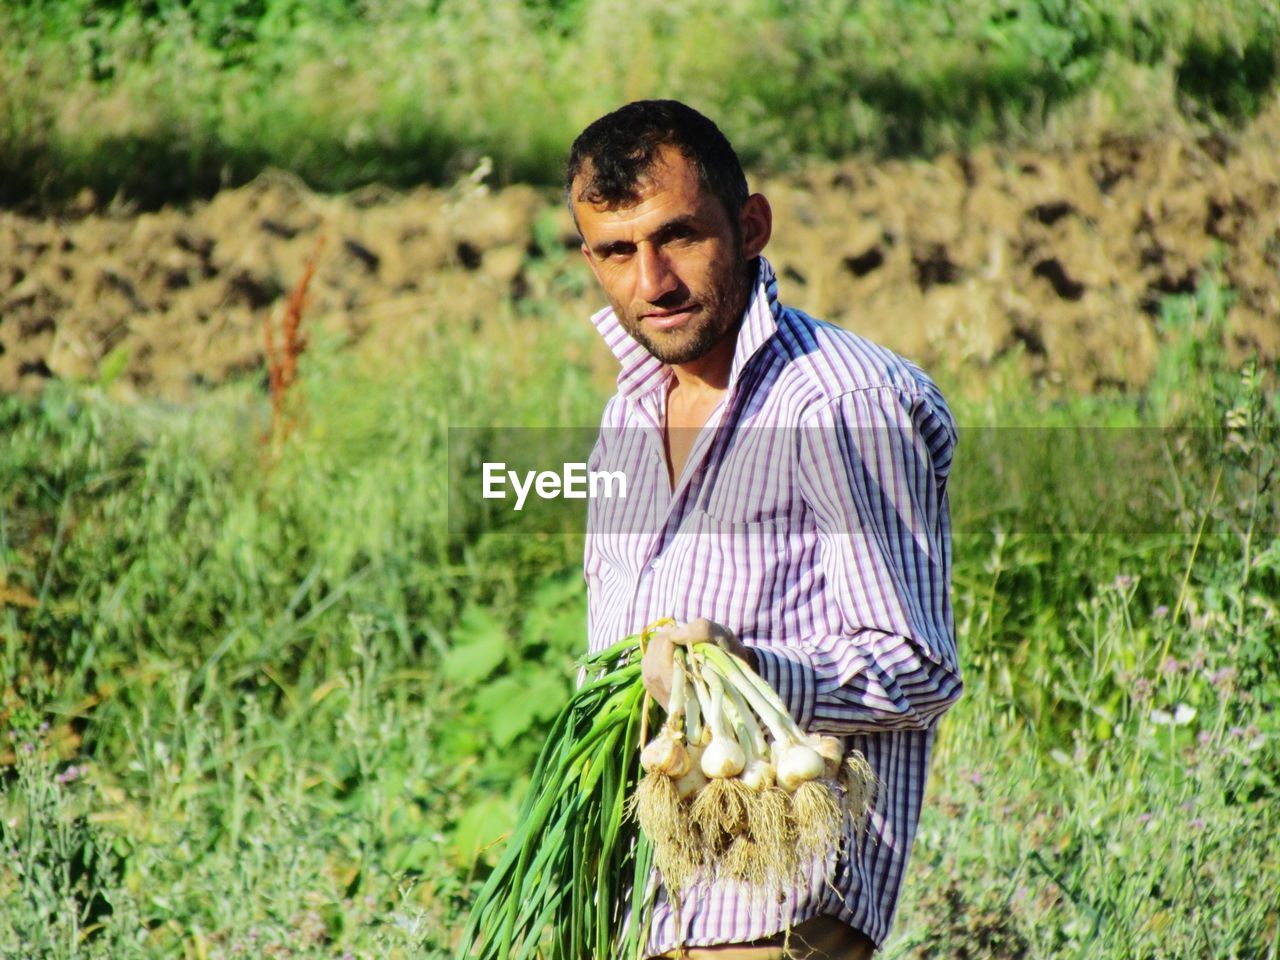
1060 257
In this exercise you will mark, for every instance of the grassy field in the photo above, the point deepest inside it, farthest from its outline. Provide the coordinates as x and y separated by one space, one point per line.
259 701
164 99
274 699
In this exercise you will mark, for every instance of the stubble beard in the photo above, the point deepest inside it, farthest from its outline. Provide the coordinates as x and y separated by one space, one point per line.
721 310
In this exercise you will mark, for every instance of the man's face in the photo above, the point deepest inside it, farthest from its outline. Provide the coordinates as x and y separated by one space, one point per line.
672 264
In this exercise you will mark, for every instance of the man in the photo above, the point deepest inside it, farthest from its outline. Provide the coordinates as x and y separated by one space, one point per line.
786 497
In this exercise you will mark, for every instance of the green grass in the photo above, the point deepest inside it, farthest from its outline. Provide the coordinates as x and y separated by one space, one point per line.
163 99
305 710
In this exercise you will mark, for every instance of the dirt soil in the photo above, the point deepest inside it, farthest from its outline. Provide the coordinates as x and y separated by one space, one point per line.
1060 257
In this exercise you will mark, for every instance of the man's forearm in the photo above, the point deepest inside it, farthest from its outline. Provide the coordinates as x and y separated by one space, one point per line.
869 682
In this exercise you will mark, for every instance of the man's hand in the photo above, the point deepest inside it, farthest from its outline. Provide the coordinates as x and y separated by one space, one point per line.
657 664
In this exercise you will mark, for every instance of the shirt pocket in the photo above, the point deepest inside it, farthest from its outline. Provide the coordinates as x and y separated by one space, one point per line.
735 572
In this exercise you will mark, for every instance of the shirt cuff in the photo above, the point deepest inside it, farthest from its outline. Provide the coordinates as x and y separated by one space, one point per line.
790 672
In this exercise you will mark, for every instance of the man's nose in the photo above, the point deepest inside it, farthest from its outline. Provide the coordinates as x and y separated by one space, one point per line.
656 279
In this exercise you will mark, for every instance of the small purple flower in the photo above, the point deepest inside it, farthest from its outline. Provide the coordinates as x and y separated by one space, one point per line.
1123 581
975 778
1144 818
1170 667
44 727
1197 823
1141 689
1198 660
1223 679
1161 611
71 774
28 747
1237 733
1204 737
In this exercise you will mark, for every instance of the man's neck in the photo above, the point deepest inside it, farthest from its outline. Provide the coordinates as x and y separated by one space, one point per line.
709 374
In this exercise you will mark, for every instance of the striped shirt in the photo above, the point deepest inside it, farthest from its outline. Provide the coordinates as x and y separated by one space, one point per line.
812 520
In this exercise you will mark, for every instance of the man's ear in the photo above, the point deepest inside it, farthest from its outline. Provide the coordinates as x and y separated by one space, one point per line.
591 261
756 221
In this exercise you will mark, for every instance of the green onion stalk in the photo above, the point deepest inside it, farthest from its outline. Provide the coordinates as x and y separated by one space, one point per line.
575 878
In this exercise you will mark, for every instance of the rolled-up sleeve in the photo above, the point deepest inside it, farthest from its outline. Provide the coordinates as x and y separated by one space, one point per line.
873 468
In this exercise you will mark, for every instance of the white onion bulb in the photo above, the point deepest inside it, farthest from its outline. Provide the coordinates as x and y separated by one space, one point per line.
666 755
831 749
758 775
723 758
799 764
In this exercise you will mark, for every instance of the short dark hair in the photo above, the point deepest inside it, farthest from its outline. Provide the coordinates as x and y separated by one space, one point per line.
617 150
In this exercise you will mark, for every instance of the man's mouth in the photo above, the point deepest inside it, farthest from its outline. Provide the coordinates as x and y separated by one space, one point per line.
667 319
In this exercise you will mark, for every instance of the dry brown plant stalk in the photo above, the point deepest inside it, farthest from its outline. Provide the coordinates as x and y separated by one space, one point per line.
282 364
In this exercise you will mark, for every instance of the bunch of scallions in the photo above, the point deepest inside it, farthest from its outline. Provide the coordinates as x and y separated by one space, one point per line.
730 787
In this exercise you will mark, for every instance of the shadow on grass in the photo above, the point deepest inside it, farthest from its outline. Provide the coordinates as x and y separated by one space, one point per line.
157 167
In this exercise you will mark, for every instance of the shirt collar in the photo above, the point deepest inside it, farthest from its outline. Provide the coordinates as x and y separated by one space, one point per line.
642 372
